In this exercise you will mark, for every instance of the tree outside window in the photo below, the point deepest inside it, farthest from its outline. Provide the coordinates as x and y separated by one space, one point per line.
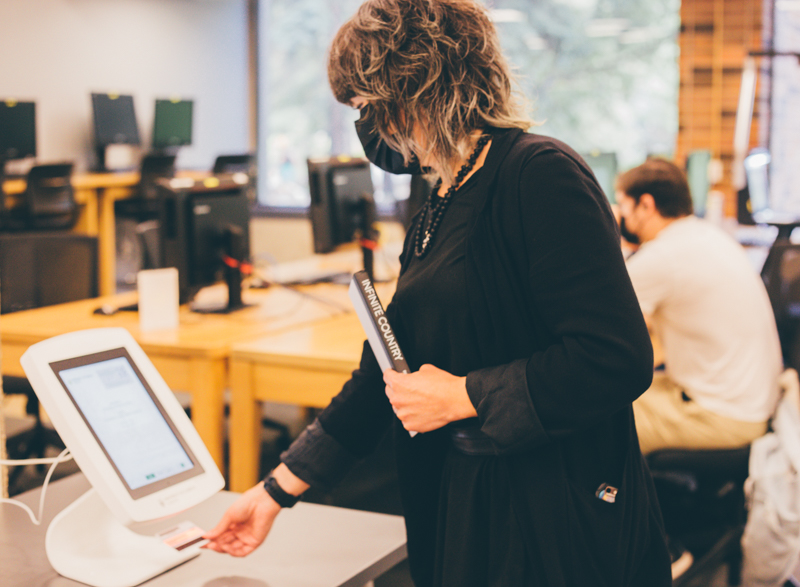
601 75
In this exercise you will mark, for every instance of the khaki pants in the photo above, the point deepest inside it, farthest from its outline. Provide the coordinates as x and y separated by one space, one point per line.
665 420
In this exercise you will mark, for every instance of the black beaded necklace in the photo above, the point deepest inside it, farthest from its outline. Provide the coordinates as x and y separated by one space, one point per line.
433 210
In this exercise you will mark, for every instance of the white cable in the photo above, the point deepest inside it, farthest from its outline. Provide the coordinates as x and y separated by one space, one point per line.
47 461
63 457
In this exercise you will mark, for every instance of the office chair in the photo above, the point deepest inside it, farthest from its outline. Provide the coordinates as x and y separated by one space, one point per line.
244 163
154 167
701 493
781 276
48 201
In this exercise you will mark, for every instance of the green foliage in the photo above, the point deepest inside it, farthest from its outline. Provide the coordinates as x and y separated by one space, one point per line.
601 75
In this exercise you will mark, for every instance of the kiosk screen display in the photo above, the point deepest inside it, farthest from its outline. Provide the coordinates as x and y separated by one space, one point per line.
128 421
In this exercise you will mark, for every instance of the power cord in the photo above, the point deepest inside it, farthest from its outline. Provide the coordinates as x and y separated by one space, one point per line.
53 462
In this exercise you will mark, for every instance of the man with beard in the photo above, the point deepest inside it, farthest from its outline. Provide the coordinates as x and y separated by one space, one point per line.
701 297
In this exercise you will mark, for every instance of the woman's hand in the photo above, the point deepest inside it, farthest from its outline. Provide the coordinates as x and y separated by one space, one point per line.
248 521
428 399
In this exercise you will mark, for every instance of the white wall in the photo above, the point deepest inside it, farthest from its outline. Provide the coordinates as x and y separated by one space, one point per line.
57 52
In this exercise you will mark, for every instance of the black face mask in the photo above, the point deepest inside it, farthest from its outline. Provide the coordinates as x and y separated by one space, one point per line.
377 151
627 234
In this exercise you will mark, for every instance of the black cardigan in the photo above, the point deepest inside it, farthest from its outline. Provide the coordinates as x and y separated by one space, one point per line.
567 351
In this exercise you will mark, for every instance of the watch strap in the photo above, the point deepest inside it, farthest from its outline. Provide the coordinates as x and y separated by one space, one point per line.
276 492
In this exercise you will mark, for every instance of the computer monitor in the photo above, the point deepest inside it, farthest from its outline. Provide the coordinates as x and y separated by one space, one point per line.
604 167
172 125
114 120
697 163
205 234
114 123
756 168
135 444
342 204
757 195
17 130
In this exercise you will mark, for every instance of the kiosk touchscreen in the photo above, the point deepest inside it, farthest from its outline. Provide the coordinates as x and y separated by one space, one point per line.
135 444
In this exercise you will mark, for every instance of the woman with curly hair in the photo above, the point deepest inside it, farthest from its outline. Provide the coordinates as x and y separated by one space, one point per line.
518 320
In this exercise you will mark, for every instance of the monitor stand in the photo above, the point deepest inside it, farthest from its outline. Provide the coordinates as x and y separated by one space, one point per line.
235 252
85 542
785 230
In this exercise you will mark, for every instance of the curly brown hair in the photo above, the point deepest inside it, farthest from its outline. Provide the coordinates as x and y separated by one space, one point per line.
431 65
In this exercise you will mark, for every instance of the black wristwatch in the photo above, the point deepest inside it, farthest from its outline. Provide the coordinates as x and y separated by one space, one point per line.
276 492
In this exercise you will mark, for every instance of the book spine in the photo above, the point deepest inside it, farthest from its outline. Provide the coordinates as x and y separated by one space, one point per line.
380 322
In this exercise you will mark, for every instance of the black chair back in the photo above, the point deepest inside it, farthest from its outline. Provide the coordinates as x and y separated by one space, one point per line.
49 199
154 167
244 163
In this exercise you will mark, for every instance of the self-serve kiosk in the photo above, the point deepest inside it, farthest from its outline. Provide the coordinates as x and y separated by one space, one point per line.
136 446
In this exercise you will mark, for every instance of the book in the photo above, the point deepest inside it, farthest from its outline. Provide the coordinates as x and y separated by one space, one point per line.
376 325
374 322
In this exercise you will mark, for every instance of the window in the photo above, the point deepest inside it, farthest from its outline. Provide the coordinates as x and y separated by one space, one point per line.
602 75
784 122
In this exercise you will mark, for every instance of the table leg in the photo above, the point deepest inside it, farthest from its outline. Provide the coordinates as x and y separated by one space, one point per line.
107 245
207 382
87 199
245 427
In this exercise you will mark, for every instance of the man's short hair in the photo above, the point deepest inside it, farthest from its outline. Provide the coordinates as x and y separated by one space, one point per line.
664 181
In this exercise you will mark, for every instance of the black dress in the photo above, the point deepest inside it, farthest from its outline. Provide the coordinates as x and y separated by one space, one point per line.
525 292
433 312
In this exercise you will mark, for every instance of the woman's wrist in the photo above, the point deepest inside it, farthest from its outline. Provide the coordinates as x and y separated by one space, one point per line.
288 481
283 487
462 404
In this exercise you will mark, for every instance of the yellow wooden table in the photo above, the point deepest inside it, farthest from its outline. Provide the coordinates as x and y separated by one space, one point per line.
305 366
193 357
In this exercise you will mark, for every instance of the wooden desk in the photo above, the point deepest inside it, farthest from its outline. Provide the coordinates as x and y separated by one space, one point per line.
309 545
193 357
306 366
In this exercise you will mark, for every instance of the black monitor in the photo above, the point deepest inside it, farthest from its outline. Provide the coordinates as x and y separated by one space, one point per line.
17 130
172 125
114 123
205 234
114 120
342 205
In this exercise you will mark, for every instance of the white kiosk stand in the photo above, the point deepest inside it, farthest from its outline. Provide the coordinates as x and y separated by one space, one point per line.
137 447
